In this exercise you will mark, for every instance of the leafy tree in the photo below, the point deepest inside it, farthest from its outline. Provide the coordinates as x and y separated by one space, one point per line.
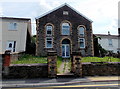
98 49
31 44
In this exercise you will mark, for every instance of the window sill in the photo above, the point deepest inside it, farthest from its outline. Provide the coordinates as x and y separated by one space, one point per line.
110 46
49 35
48 48
81 48
81 36
65 35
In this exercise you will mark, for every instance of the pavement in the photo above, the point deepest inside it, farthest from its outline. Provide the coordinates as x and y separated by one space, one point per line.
55 81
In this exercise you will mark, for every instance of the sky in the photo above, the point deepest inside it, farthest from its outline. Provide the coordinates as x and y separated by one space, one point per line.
103 13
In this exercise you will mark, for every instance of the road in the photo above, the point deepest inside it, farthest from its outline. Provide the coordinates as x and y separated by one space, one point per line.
90 85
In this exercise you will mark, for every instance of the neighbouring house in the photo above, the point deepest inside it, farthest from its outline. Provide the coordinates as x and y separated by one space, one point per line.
14 33
64 30
109 42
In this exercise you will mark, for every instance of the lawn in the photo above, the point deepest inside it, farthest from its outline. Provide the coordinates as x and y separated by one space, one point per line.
29 59
100 59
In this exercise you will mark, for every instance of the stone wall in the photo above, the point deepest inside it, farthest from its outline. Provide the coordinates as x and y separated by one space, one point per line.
27 71
104 69
52 64
41 70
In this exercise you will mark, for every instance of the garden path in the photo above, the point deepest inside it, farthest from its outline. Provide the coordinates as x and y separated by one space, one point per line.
64 67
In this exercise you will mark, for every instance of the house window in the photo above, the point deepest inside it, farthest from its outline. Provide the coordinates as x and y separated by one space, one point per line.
81 31
110 42
49 30
65 29
12 26
82 42
11 45
49 42
65 12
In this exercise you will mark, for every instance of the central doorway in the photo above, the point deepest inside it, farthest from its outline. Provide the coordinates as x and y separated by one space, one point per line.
64 67
66 48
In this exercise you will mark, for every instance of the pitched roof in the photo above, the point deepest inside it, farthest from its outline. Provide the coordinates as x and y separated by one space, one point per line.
15 18
62 6
107 36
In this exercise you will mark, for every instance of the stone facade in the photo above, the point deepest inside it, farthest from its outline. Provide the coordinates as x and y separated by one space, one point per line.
76 64
55 18
52 64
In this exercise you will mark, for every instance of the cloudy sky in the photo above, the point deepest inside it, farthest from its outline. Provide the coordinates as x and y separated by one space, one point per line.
103 13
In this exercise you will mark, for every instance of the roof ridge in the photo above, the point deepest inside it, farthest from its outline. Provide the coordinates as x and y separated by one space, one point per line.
15 18
105 35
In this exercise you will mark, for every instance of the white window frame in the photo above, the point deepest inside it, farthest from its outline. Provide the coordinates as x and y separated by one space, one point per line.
13 26
65 24
49 28
12 48
81 33
83 42
65 45
48 40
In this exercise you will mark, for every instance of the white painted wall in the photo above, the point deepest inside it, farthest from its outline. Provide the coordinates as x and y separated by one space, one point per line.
0 35
19 35
105 43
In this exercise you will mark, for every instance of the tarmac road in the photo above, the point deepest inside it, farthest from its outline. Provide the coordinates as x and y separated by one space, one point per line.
89 85
108 82
92 85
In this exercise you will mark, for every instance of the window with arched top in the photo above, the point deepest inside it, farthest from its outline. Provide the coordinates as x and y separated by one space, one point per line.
65 29
49 29
81 31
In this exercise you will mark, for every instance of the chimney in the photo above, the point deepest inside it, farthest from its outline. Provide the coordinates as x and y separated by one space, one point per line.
108 32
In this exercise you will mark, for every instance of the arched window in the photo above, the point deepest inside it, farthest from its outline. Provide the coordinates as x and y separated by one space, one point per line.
81 31
65 29
49 35
49 29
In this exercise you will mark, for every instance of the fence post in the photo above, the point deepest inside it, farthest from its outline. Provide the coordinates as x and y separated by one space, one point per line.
6 62
76 64
52 64
72 62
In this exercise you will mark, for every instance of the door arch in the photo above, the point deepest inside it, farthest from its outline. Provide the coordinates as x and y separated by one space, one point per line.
66 48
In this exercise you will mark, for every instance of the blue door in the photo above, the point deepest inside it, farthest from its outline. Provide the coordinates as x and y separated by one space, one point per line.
65 50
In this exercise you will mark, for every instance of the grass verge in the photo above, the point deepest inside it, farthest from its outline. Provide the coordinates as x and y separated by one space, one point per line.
29 59
99 59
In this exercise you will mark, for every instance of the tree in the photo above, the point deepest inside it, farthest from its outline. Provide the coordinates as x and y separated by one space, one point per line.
98 49
31 44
